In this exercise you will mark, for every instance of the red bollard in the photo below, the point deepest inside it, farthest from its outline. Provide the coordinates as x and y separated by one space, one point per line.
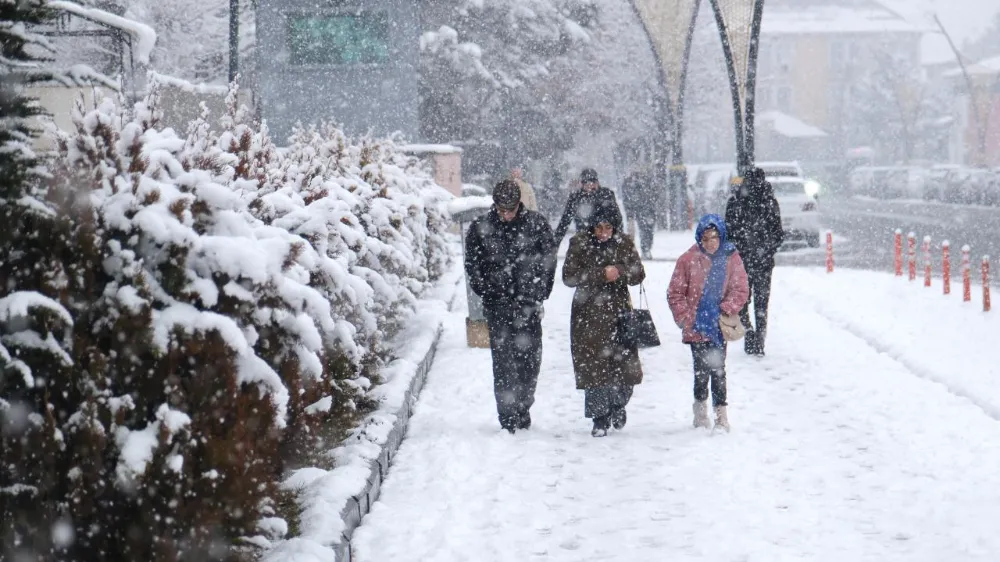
829 251
898 262
966 275
927 261
986 283
946 266
911 253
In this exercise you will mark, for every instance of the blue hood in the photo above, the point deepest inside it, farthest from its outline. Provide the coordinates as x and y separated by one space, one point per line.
720 224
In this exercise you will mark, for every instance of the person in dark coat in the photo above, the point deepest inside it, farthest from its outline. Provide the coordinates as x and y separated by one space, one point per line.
640 201
601 264
583 204
510 263
754 221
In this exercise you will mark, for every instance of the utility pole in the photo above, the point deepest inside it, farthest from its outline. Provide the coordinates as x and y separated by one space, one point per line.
234 39
982 121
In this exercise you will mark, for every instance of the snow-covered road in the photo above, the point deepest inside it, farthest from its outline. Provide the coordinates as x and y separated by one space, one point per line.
838 452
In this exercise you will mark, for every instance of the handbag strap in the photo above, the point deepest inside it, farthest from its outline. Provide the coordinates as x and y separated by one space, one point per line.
642 297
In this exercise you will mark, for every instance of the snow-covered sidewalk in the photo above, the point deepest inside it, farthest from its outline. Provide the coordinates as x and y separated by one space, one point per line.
839 451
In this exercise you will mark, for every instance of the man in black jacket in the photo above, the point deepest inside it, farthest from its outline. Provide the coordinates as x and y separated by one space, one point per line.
583 203
511 263
754 221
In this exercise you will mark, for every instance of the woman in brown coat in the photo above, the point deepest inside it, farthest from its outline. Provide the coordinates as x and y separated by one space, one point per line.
601 264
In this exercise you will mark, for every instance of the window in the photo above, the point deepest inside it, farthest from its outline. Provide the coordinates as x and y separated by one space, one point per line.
361 38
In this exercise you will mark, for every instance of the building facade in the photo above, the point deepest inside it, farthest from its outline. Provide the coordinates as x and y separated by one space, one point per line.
850 68
977 139
351 62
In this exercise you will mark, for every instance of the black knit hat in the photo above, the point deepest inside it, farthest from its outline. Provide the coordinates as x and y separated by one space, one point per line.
507 194
587 175
602 213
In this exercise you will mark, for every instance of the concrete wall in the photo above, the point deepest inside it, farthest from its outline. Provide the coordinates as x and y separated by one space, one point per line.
59 101
380 97
448 171
179 106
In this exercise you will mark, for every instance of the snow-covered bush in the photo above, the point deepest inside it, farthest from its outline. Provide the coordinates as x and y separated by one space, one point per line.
209 310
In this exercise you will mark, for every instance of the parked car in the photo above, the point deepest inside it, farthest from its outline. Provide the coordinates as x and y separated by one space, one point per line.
938 182
800 218
881 182
992 195
781 169
905 182
710 186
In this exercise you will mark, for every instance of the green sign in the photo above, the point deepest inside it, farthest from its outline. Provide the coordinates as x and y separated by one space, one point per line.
361 38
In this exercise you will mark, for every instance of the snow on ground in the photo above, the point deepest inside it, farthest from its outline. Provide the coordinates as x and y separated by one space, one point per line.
842 447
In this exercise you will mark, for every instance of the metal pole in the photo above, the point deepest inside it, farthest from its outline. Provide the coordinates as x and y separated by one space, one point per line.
734 89
682 87
678 172
234 39
751 85
743 116
661 103
973 98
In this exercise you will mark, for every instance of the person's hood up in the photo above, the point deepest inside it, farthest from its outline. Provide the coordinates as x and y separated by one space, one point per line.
719 223
757 184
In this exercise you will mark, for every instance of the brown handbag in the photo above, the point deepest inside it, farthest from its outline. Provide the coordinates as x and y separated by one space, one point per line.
732 327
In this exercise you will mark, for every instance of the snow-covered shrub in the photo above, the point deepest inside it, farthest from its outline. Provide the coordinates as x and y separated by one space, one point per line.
206 310
157 437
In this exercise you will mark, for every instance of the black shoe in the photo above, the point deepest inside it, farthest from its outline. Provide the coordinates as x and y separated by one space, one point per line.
618 418
524 421
601 426
510 424
750 342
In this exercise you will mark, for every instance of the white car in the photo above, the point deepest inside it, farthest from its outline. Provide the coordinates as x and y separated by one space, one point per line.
799 209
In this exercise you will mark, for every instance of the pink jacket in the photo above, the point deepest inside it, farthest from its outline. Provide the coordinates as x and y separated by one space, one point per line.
688 282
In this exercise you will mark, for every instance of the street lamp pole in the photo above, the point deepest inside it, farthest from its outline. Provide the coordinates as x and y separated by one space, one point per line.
739 24
234 39
669 27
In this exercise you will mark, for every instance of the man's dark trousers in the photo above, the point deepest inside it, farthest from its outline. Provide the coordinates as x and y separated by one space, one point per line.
759 277
647 229
516 345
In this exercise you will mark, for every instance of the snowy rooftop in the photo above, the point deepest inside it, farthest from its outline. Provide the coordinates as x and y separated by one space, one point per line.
986 67
418 149
144 36
871 17
788 126
935 50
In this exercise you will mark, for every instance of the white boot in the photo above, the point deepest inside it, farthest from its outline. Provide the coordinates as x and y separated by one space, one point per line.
700 408
721 418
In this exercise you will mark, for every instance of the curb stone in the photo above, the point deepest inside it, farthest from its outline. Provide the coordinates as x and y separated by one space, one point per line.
361 504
